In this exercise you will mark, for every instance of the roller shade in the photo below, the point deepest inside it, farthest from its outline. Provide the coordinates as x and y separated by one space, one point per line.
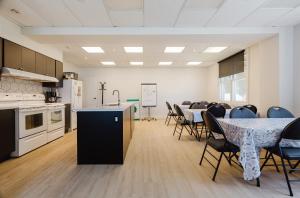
232 65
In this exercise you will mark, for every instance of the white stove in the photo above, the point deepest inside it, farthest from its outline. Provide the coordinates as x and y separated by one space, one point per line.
36 121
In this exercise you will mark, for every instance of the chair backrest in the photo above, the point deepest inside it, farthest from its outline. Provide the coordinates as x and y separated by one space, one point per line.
212 123
204 103
186 103
197 105
211 104
291 131
169 106
178 110
251 107
242 112
217 111
279 112
225 105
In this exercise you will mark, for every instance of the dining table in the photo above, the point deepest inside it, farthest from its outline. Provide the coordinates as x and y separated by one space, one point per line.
253 134
194 115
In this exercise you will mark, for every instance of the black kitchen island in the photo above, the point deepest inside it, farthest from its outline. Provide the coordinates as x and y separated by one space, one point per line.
104 134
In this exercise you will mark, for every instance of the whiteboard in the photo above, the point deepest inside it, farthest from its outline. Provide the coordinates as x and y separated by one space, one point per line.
149 94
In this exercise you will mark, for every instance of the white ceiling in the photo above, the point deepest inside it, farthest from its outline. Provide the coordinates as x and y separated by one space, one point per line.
153 48
150 14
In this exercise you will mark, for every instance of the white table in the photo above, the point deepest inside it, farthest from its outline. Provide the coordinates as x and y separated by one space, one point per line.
183 107
251 135
195 114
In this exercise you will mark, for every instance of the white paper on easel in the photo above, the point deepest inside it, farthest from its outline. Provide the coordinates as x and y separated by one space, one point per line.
149 94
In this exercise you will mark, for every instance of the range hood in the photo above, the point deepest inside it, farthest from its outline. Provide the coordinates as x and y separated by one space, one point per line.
27 75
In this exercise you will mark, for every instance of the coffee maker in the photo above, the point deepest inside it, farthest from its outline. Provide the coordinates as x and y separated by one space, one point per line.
51 96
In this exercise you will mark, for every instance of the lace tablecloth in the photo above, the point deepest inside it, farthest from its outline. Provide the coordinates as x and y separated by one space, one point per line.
251 135
195 114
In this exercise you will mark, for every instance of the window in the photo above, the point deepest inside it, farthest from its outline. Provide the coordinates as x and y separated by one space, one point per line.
233 88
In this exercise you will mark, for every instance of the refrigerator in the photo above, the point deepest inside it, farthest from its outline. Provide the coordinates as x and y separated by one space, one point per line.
71 93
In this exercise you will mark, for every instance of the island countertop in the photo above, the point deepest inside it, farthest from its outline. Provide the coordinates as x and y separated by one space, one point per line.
108 107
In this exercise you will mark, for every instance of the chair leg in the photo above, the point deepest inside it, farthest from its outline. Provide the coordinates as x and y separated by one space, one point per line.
180 133
200 135
257 182
286 176
203 154
265 162
166 119
219 161
295 166
175 128
169 120
275 164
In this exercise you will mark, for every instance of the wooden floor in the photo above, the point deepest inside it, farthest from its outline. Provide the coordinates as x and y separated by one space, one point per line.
157 165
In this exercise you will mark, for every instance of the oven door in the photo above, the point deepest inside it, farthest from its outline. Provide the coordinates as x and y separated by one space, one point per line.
32 121
56 118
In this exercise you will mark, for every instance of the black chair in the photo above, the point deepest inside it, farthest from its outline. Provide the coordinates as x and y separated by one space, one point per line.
225 105
182 123
220 145
211 104
171 114
242 112
217 111
251 107
197 105
279 112
186 103
290 132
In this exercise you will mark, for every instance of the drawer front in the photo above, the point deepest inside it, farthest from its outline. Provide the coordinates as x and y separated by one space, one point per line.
53 135
32 142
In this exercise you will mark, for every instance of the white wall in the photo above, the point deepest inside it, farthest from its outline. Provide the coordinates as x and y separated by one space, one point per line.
174 84
12 32
264 74
297 70
212 83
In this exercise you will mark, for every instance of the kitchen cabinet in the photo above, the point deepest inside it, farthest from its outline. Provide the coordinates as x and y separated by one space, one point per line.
28 60
1 52
104 135
50 64
40 63
59 73
7 133
12 55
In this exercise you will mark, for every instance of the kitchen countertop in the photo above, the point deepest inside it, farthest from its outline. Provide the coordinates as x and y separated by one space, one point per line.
121 107
3 107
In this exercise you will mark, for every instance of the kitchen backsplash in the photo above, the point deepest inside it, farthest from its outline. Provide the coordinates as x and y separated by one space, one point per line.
14 85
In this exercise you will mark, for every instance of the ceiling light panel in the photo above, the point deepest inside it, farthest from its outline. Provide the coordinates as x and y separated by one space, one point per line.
108 63
165 63
174 49
192 63
93 49
134 63
133 49
214 49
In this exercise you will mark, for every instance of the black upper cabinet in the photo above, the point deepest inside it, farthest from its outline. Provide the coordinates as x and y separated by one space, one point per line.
40 63
50 67
28 60
1 52
12 55
59 73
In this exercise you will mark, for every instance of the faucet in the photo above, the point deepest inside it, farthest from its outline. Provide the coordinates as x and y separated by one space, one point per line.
118 95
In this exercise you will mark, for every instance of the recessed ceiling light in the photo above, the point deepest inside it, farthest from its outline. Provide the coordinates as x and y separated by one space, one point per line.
133 49
214 49
165 63
136 63
93 49
174 49
108 63
194 63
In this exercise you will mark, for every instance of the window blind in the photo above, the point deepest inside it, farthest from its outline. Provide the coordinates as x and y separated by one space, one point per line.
232 65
